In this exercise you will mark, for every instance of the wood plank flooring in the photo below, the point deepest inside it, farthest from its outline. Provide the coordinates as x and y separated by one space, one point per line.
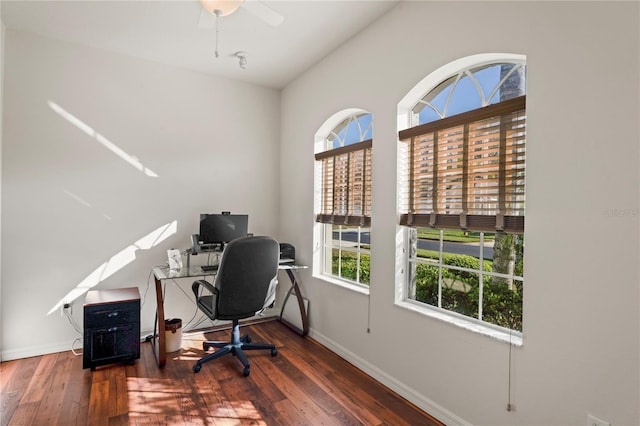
305 384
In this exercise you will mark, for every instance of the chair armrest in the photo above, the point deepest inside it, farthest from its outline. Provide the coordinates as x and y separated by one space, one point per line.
195 287
207 301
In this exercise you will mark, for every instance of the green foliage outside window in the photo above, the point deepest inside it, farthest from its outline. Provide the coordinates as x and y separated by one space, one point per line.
451 235
349 267
460 290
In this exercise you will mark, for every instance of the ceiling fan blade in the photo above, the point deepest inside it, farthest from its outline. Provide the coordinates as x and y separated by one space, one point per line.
264 12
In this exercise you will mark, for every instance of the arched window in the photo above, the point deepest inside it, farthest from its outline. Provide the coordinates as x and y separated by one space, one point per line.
343 197
462 190
470 89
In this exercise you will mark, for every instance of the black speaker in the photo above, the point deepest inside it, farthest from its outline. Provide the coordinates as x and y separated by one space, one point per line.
287 251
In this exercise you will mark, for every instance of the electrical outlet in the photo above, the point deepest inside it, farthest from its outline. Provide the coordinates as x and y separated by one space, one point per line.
594 421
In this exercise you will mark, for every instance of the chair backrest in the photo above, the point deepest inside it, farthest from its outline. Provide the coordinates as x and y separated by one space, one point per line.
246 269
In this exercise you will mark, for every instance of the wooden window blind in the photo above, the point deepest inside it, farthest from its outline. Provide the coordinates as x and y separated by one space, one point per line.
467 171
346 185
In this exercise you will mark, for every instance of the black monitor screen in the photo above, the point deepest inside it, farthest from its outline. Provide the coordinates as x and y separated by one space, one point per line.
222 228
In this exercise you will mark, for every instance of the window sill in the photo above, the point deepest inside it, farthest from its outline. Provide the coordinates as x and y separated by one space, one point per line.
514 338
343 283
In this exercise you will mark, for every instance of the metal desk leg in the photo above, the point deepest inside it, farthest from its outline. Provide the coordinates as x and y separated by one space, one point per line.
158 338
303 313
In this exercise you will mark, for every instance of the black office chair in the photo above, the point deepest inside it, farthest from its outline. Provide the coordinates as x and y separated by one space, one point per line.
245 278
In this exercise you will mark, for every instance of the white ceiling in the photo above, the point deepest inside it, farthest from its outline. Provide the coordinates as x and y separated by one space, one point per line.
168 32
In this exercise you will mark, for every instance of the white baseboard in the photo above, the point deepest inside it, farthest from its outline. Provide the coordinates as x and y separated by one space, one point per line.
32 351
401 389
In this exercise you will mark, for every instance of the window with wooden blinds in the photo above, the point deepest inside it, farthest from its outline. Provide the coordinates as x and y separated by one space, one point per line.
467 171
346 185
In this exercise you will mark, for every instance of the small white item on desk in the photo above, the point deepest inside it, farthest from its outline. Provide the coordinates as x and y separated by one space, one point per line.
175 259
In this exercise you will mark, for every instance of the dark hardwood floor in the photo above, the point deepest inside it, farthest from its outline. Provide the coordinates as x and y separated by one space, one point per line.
305 384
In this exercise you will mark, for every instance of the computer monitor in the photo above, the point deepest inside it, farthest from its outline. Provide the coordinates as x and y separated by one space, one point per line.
219 229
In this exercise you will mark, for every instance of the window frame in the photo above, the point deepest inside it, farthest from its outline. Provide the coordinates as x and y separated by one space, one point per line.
347 209
405 114
491 328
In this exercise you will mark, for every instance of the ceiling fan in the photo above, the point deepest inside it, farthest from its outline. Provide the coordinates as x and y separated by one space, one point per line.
213 9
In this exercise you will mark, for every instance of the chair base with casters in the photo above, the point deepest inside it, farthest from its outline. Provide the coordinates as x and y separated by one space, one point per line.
234 347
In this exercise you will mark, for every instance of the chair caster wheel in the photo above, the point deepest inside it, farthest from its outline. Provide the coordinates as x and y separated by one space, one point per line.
248 339
196 368
274 352
246 371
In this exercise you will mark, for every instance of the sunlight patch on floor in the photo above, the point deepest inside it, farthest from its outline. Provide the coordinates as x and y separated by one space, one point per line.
169 400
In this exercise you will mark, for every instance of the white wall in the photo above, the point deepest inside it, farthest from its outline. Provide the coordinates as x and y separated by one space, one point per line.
70 203
2 31
581 308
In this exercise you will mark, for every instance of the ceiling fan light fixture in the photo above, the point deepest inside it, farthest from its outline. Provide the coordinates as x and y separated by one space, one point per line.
221 7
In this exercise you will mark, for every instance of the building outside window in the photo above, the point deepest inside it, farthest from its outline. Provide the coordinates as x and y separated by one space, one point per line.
462 195
343 199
